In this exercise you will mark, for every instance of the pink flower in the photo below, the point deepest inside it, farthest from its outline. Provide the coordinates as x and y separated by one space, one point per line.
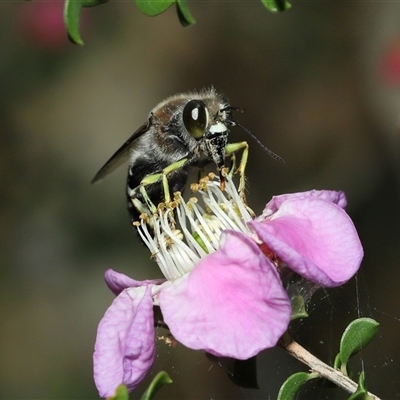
312 234
222 294
124 350
207 308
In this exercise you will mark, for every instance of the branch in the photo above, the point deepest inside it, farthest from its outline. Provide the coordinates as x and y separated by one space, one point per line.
318 366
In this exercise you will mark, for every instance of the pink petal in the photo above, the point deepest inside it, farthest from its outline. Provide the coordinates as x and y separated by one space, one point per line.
232 303
275 203
315 238
124 349
117 282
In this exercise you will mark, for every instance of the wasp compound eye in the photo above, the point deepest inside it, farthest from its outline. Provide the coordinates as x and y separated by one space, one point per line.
195 118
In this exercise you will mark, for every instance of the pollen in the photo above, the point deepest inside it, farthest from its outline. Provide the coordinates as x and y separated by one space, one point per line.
194 187
144 217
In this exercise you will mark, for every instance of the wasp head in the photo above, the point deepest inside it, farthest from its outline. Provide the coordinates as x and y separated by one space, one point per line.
207 120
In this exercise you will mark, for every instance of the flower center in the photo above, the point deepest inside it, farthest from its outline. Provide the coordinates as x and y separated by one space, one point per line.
186 231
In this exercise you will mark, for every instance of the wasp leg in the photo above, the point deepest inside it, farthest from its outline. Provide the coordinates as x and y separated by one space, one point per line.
142 207
233 165
232 148
162 176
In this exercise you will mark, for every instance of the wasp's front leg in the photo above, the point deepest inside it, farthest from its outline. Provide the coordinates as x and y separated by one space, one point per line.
153 179
231 149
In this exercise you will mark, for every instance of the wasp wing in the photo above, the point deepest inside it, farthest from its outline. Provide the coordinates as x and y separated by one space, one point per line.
121 155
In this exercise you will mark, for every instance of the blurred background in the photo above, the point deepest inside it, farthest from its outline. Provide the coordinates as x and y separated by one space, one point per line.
321 87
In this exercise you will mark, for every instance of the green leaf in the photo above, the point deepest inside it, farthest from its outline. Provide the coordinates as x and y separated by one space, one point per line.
292 384
72 12
298 308
338 363
92 3
276 5
159 380
151 8
184 15
356 336
361 393
120 394
360 396
361 382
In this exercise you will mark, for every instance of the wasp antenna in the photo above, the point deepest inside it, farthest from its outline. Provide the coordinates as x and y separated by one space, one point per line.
230 108
262 145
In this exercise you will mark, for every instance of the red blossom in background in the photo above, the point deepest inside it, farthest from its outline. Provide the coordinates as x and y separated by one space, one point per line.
42 24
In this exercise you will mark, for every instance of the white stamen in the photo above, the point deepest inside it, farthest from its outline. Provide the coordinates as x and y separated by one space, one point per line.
213 204
204 225
238 201
193 244
179 246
